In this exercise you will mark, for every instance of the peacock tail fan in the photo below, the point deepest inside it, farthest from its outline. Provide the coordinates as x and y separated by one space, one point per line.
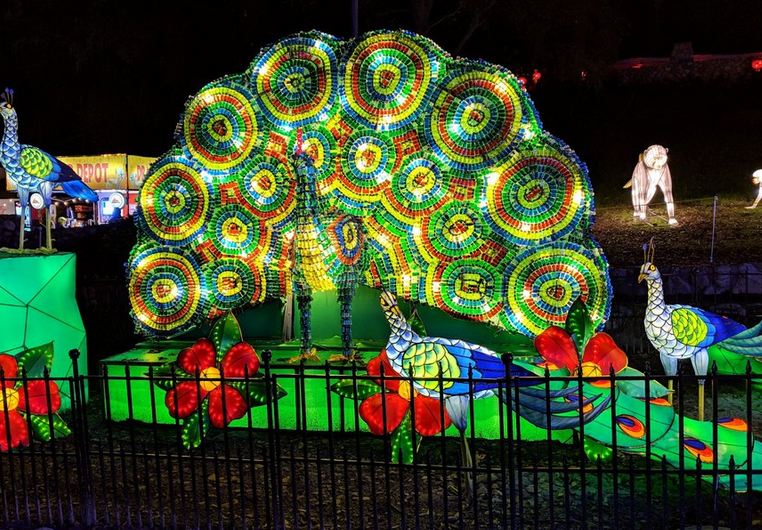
465 202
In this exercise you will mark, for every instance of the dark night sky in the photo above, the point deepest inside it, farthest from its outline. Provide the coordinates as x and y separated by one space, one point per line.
111 76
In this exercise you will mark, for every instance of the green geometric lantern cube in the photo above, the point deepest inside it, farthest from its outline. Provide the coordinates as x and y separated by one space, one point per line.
38 306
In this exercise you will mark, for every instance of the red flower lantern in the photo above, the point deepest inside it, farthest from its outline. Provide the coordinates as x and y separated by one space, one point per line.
395 399
600 354
18 399
199 361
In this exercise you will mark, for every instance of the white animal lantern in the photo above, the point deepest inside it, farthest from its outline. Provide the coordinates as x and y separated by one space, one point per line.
650 173
756 179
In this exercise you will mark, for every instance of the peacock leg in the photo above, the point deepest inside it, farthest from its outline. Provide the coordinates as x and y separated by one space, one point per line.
670 368
304 301
22 221
48 241
700 362
346 294
23 201
701 401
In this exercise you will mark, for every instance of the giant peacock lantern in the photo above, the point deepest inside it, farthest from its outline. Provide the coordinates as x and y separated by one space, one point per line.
380 160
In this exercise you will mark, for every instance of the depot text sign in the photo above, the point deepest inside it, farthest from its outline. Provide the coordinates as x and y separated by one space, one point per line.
107 172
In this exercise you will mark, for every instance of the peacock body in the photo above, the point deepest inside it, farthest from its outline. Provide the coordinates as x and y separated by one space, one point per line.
427 175
457 371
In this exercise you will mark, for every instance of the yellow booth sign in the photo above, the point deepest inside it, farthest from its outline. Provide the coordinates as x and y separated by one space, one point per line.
107 172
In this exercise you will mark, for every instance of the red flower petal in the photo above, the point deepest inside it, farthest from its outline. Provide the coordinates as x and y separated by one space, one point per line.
10 368
198 357
556 346
34 398
235 406
374 370
19 433
428 416
372 411
183 400
603 351
241 357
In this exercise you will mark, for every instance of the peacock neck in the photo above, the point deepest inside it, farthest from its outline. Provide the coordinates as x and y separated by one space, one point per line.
306 189
9 149
655 295
310 255
401 333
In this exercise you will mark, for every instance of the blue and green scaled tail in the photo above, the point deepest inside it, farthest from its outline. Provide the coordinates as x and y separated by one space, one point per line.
740 353
697 447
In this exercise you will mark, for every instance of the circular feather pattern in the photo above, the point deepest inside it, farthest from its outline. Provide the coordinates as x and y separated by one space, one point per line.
233 283
387 79
631 426
165 289
269 189
467 287
347 239
453 231
175 202
417 190
474 118
220 126
535 197
699 450
542 283
296 80
236 232
365 171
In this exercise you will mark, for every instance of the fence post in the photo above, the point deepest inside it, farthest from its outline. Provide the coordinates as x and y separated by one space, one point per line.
273 462
714 228
86 502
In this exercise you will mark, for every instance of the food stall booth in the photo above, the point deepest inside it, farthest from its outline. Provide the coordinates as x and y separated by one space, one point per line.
115 178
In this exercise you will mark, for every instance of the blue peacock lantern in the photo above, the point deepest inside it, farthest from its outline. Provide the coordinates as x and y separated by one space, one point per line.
35 172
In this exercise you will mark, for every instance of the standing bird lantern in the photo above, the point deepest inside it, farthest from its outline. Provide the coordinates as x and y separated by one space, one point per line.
35 172
379 161
650 173
684 332
756 179
328 253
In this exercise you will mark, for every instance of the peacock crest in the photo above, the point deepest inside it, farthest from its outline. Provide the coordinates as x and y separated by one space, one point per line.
439 165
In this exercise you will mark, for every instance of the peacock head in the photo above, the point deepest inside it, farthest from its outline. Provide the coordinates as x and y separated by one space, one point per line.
648 270
6 104
303 162
388 301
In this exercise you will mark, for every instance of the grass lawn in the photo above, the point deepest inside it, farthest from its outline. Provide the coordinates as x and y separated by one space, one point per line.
738 236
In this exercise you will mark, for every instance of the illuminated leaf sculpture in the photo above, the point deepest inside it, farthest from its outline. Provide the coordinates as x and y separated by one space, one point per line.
380 160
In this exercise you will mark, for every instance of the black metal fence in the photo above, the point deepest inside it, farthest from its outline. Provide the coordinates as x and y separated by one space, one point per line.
132 474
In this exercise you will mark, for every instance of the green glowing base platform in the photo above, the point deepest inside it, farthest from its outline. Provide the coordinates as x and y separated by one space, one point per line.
38 306
134 366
